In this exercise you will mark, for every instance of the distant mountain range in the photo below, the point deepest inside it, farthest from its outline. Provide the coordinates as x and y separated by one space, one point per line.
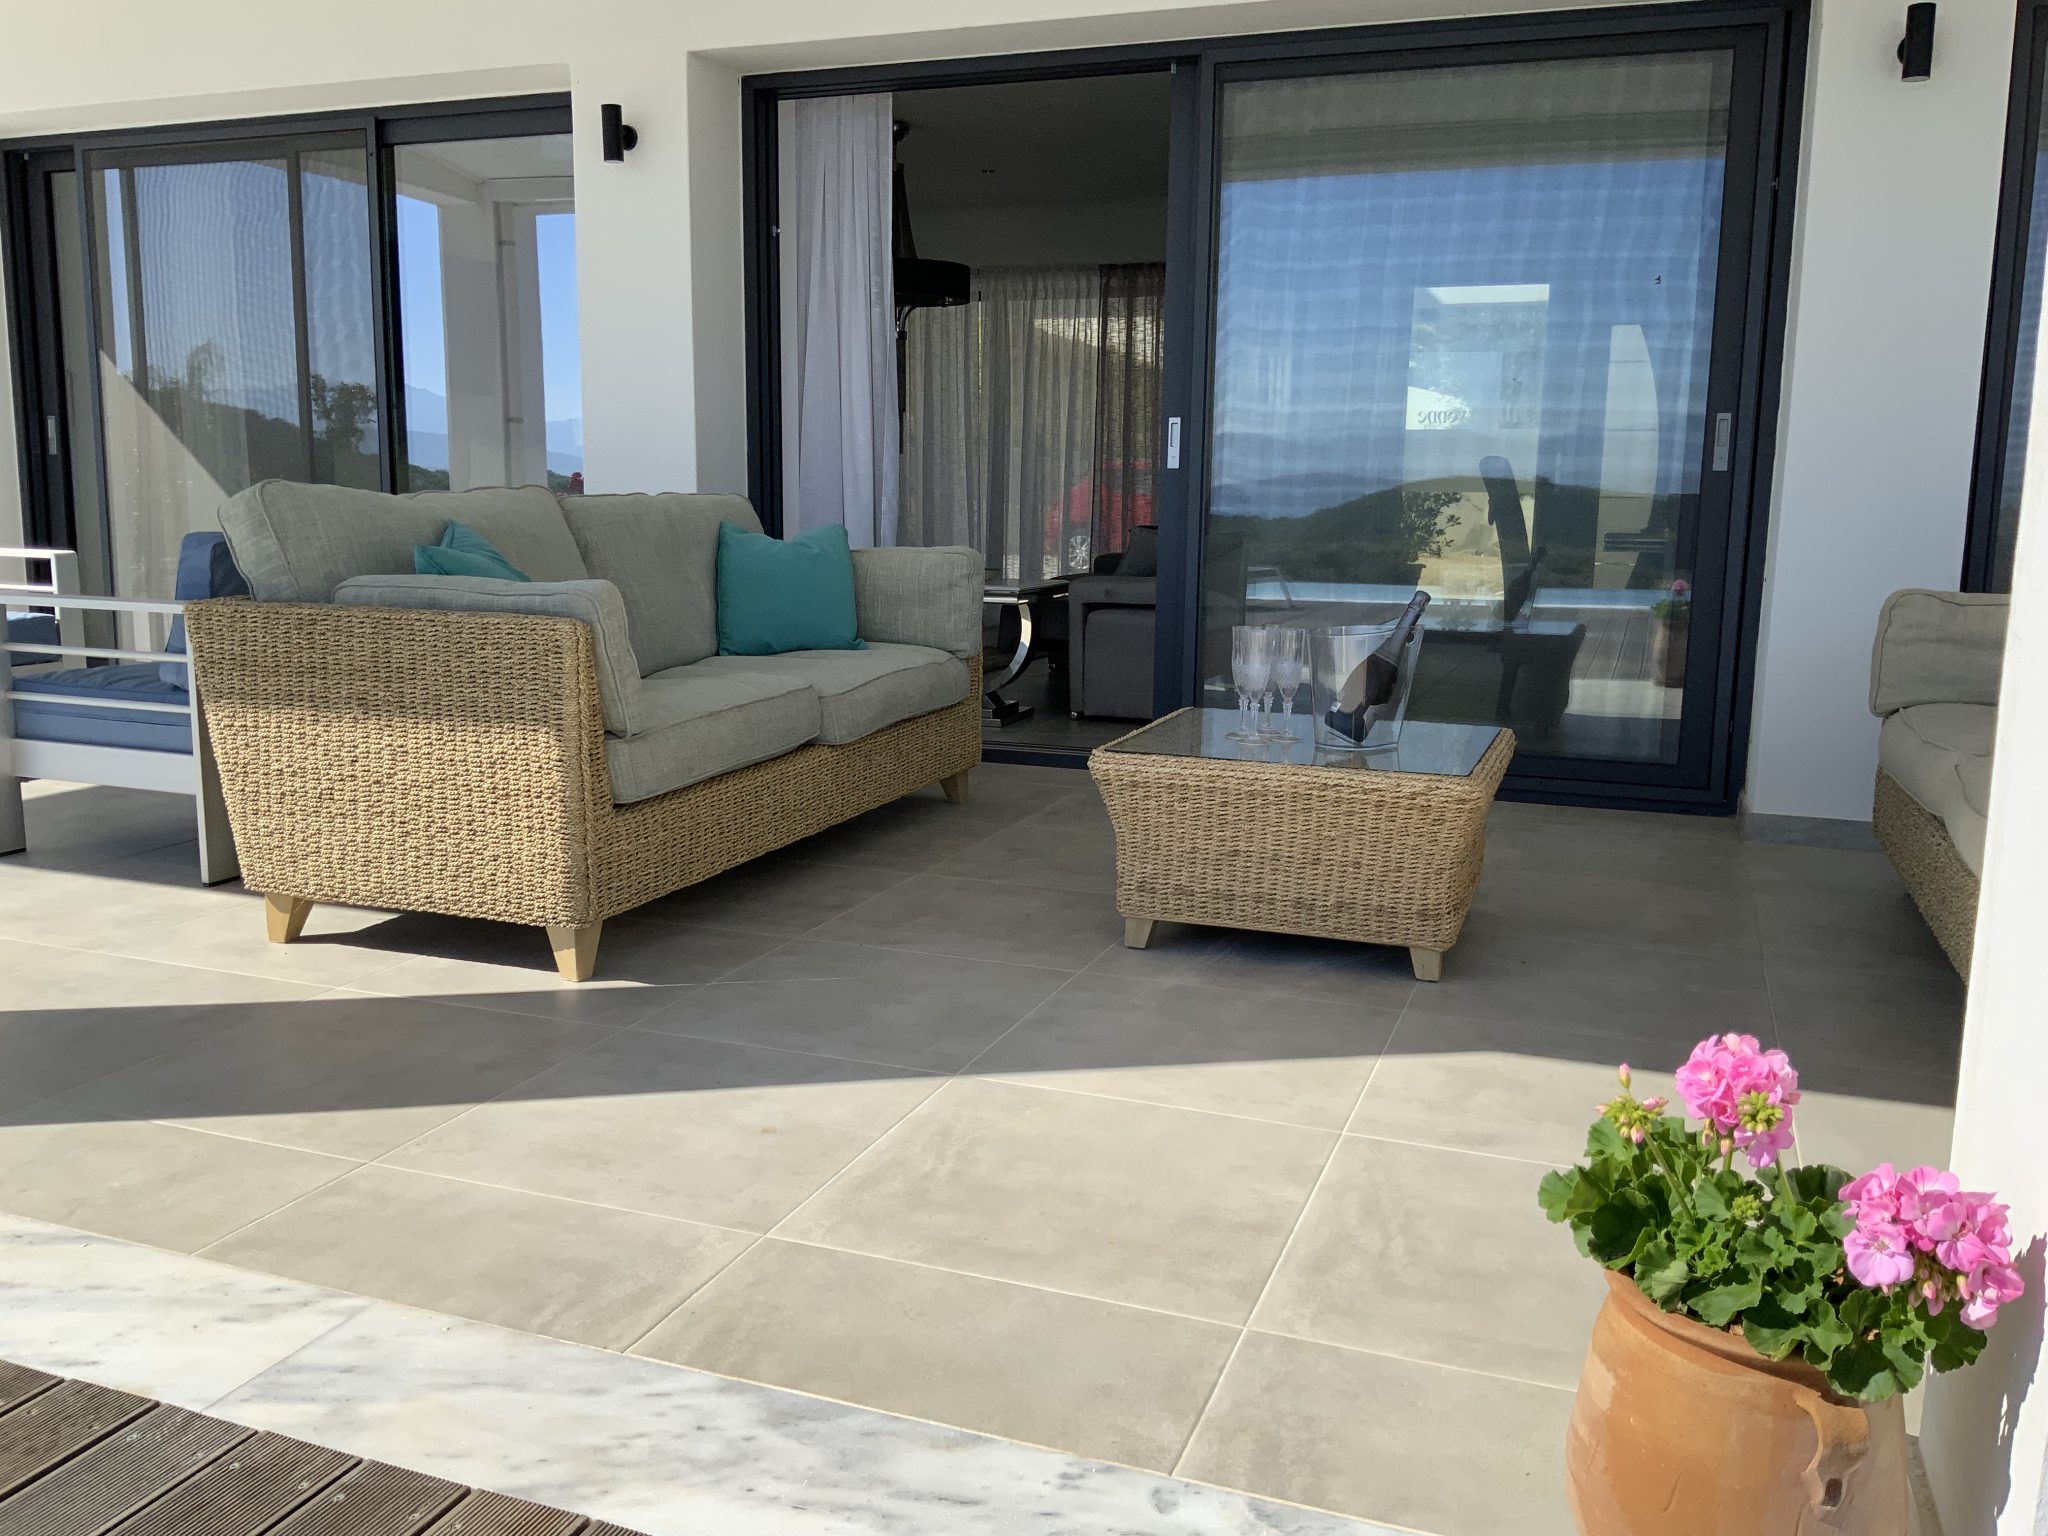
426 434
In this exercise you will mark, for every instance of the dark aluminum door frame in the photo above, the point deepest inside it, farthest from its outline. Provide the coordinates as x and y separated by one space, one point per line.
1746 331
1769 38
49 500
2023 124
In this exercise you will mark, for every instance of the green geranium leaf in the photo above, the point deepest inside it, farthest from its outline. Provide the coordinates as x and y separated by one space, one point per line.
1815 1181
1860 1370
1824 1334
1717 1307
1908 1364
1660 1272
1554 1194
1861 1310
1619 1231
1759 1247
1800 1223
1772 1331
1603 1141
1838 1222
1708 1201
1956 1343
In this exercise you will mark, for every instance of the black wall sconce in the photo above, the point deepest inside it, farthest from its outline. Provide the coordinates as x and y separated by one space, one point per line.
620 135
1916 48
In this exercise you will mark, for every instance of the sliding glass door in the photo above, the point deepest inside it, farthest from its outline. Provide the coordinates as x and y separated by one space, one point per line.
206 308
235 334
1477 329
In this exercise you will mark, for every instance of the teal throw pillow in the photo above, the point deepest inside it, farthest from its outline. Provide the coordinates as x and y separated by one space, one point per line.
779 595
463 552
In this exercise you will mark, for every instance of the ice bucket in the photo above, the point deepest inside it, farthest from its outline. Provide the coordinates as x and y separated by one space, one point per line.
1334 655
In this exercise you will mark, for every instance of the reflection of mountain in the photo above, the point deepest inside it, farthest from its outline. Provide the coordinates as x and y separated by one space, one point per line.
426 434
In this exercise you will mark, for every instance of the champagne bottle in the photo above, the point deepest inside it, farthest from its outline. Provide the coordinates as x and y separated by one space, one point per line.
1370 688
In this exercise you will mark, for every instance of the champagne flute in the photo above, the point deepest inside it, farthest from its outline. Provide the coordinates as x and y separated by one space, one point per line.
1251 669
1290 660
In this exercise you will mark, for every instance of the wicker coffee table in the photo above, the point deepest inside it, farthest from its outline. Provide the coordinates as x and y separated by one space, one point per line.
1379 847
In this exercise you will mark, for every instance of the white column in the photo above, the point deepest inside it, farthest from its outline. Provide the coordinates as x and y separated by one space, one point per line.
1984 1433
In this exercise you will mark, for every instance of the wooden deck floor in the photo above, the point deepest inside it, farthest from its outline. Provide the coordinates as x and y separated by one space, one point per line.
81 1460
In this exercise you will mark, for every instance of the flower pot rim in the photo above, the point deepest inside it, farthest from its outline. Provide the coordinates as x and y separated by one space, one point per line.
1724 1344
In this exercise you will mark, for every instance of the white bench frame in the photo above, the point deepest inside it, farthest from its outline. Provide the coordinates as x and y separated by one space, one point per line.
175 773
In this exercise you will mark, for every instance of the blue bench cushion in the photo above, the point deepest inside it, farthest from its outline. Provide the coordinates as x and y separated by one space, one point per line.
31 628
46 716
205 569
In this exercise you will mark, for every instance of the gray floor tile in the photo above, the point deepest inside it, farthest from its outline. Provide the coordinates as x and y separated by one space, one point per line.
1837 1018
781 894
1136 1203
1437 1256
1294 1059
642 967
1367 974
1839 905
1066 847
1586 901
932 1012
236 941
77 826
1644 998
67 1018
1904 1121
349 1074
1426 1448
982 920
918 831
731 1135
1119 1383
85 908
556 1267
157 1184
1485 1085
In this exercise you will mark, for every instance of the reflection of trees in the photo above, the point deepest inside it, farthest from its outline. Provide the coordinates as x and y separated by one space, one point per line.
1378 537
238 445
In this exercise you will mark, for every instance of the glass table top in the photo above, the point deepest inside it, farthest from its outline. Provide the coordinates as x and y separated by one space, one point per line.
1426 746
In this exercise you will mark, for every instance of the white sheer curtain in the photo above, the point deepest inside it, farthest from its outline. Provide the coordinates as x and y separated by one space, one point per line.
999 431
839 418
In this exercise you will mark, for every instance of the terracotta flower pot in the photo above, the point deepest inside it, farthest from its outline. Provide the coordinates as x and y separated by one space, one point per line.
1680 1430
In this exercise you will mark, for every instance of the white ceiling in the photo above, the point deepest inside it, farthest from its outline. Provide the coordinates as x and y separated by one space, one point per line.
1035 143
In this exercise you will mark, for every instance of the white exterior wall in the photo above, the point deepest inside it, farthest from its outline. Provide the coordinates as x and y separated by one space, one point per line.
1984 1431
1897 202
1884 355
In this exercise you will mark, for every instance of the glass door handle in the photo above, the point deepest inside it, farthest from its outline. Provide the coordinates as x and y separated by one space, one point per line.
1724 436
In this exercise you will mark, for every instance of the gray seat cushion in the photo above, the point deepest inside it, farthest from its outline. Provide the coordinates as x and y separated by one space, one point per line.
297 543
1939 753
661 552
699 723
920 597
595 603
859 692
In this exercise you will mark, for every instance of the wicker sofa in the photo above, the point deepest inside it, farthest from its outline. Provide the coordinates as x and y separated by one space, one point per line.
559 751
1934 675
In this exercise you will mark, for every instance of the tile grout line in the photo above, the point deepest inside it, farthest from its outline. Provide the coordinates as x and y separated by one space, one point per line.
1280 1258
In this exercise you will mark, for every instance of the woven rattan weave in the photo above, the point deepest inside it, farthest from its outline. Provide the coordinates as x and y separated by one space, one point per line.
1340 853
454 763
1943 887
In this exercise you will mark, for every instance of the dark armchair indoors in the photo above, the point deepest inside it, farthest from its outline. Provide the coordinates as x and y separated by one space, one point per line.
1110 614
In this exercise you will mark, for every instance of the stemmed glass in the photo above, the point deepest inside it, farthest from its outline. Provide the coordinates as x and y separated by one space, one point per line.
1290 660
1251 669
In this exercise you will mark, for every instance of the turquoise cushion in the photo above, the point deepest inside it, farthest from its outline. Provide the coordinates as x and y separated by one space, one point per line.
463 552
777 595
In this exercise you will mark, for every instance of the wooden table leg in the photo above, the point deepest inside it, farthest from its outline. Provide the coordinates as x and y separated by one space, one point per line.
1137 932
284 917
1428 963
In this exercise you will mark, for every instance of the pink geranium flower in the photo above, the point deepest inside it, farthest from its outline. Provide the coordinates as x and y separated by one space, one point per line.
1743 1092
1879 1254
1985 1291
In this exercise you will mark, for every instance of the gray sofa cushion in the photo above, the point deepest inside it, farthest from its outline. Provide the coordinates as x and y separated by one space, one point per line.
297 543
859 692
926 597
701 723
595 603
1937 648
661 552
1937 753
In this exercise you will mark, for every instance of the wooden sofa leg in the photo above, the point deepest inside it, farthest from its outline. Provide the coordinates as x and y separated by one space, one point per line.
955 786
285 916
575 947
1428 964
